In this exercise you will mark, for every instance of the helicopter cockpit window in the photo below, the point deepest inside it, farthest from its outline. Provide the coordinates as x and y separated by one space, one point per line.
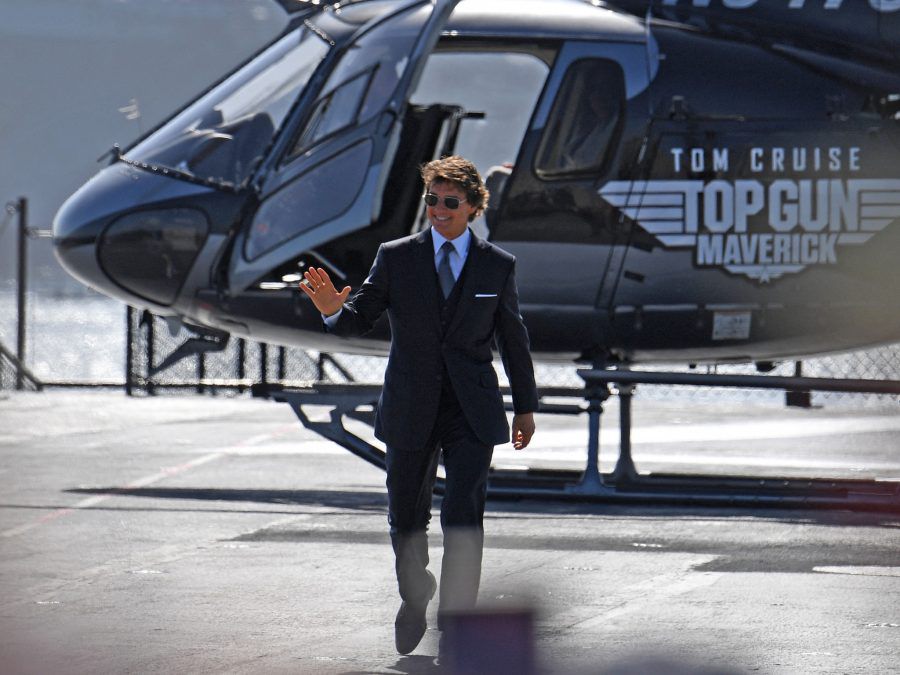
335 111
583 120
224 135
365 78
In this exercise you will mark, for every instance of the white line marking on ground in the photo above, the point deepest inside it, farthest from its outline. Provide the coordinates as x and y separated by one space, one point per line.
867 571
639 596
292 448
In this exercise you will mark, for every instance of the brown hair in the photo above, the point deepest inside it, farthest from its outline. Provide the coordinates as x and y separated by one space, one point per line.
462 173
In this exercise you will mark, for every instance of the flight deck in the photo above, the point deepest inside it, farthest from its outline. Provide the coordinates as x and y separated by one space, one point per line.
216 534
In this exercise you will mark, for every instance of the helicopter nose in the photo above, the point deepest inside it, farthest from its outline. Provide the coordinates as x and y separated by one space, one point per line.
125 234
76 231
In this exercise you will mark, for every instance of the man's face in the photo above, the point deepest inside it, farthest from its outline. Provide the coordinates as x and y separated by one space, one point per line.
450 223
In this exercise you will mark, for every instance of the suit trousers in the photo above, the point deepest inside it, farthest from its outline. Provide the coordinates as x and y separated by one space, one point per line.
410 480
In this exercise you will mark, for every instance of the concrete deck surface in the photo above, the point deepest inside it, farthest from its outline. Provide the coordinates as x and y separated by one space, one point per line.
215 535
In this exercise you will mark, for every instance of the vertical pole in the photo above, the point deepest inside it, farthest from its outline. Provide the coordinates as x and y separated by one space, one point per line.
591 481
151 348
592 470
129 349
21 281
795 397
263 363
201 372
241 362
282 363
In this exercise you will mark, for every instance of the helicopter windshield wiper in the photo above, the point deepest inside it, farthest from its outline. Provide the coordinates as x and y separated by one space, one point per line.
182 173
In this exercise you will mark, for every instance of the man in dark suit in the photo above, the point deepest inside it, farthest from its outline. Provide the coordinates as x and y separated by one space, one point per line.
450 297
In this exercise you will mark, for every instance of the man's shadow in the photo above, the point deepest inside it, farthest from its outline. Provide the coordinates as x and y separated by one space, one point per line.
407 665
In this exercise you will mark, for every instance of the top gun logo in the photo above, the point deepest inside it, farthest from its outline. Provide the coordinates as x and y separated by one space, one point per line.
808 219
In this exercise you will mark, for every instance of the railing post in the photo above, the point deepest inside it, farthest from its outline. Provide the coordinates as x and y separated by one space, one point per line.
591 482
151 349
625 470
282 363
263 363
241 362
129 350
22 278
795 397
201 372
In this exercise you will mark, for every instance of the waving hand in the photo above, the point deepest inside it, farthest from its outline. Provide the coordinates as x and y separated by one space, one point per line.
320 289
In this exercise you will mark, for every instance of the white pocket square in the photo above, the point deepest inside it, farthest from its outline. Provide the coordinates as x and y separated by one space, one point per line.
485 295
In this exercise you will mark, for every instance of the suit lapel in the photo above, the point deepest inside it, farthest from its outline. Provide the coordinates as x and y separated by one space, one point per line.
475 261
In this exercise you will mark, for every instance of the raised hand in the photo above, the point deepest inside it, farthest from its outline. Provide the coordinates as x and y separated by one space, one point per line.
320 289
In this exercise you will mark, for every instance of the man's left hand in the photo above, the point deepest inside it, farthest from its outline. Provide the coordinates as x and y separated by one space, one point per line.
522 430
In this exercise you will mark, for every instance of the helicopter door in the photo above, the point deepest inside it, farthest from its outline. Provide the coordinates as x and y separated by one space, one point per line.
330 166
582 132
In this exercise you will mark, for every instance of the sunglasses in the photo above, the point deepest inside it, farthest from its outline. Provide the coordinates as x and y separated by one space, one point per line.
451 203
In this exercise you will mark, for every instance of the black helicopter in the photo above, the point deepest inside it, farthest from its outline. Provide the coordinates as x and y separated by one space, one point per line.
680 180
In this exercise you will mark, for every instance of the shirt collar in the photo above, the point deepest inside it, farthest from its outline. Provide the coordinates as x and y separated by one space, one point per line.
461 243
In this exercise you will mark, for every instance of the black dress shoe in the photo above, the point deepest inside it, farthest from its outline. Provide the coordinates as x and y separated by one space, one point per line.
410 624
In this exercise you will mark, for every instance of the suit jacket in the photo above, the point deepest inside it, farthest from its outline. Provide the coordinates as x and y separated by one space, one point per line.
403 281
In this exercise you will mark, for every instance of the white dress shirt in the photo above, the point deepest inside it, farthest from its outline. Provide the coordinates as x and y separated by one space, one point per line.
460 247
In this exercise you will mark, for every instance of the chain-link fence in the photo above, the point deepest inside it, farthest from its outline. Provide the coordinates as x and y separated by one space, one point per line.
90 340
211 365
881 363
13 375
85 341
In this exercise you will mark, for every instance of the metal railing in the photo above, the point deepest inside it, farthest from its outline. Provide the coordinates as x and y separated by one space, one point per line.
148 351
227 365
23 377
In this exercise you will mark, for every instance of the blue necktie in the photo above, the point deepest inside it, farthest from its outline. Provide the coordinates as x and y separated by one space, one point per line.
445 274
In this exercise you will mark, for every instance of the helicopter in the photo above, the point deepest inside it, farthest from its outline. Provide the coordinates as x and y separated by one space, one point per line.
702 181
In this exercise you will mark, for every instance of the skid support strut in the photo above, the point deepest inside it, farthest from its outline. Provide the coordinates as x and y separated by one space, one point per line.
624 483
345 400
591 482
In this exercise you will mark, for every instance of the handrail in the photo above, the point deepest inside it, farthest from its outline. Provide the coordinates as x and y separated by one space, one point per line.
597 375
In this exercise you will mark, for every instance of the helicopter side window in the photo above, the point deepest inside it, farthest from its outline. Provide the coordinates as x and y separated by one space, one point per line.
355 90
299 207
335 111
583 120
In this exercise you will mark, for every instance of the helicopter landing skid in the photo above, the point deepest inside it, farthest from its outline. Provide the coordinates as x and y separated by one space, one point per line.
624 484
